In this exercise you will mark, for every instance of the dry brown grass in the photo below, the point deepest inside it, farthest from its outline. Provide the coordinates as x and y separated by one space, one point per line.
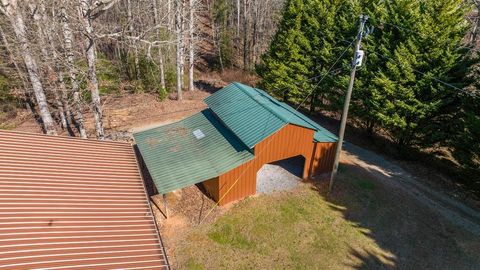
238 75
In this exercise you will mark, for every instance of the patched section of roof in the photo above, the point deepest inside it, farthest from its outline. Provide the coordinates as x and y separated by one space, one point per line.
253 115
69 203
190 151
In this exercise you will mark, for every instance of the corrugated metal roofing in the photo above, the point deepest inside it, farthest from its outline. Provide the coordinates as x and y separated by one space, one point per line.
190 151
253 115
68 203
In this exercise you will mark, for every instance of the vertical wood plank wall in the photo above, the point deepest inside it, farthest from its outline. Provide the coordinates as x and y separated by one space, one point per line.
322 161
212 187
288 142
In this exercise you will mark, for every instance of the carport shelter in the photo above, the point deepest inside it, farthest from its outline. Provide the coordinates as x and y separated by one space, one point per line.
225 145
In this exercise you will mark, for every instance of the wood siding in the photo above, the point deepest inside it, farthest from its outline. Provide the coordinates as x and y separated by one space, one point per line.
212 188
289 141
322 161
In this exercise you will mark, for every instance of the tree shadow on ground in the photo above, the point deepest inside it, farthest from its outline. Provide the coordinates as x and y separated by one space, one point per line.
409 235
431 166
370 260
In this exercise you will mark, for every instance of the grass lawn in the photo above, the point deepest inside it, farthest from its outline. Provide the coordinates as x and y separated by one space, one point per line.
365 226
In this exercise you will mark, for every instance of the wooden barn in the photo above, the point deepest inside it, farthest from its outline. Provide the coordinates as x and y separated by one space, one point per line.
224 146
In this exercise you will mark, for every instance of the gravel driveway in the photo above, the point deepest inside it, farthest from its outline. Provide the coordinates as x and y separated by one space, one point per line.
397 178
280 175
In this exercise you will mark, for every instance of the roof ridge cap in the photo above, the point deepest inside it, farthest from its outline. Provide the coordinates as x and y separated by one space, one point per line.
302 116
238 85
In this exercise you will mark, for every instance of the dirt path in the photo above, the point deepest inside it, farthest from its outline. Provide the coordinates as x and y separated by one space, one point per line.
398 179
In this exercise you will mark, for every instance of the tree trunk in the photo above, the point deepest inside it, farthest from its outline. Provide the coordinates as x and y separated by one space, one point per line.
160 54
254 40
162 69
18 26
191 45
178 22
72 71
169 15
312 103
245 35
238 18
92 73
370 128
131 29
475 25
53 79
219 45
216 41
182 40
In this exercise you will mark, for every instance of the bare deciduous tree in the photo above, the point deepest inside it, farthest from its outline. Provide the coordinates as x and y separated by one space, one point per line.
191 43
72 71
13 12
87 11
179 41
54 79
157 22
151 45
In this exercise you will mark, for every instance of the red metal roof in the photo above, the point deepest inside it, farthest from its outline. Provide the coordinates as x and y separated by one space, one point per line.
69 203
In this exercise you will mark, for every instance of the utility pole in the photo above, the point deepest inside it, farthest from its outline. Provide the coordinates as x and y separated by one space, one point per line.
356 57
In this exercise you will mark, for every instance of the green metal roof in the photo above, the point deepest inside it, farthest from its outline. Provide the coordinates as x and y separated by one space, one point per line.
253 115
190 151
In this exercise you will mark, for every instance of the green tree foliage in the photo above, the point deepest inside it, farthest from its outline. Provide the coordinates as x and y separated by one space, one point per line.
112 72
400 89
458 123
464 140
287 64
5 86
220 12
10 98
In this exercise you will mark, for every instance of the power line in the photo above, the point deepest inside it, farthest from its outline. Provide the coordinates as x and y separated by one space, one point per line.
251 163
419 72
281 91
325 75
357 56
474 93
423 35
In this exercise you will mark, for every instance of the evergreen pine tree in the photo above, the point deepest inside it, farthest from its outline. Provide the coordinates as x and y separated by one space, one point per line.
404 87
327 25
398 89
287 65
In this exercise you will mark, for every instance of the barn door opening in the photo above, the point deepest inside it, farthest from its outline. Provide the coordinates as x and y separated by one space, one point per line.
284 174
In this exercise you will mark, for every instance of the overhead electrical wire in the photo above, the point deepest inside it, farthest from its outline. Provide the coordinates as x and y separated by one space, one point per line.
325 75
423 35
313 89
424 74
472 93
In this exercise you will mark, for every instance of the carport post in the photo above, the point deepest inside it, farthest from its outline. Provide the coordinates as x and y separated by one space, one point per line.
165 204
343 123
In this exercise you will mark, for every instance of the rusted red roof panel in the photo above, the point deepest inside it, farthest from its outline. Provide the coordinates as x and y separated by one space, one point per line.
68 203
